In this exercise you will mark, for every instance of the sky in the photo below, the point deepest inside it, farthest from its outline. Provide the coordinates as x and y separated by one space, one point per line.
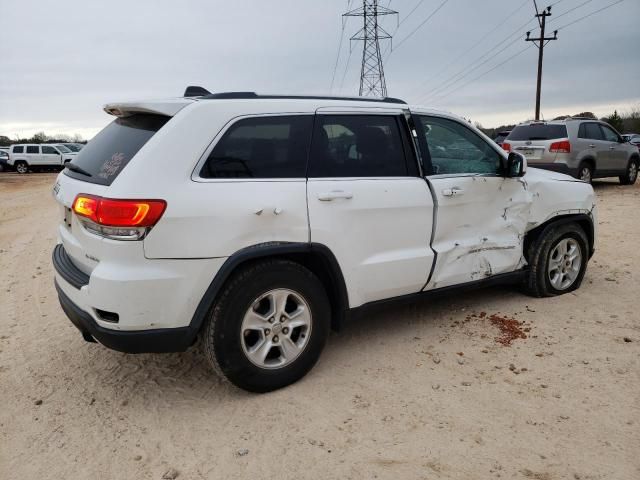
61 61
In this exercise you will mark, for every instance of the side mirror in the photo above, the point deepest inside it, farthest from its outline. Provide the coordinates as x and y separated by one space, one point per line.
516 165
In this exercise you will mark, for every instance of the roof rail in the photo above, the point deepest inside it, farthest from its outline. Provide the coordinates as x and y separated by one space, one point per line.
254 95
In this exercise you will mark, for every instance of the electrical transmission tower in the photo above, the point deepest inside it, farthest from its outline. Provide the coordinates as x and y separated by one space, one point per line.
541 42
372 82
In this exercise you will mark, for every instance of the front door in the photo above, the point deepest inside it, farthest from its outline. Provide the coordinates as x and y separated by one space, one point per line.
368 203
480 215
50 155
616 154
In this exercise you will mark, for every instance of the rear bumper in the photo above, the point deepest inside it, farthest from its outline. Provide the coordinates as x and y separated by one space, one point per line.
143 341
555 167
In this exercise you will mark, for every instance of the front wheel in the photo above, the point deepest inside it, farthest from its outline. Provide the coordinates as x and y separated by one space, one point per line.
557 261
268 327
631 174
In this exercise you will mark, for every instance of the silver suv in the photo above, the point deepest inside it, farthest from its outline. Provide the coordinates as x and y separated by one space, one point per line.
582 147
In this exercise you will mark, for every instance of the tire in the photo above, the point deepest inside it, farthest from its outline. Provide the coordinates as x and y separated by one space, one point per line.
242 320
542 278
22 167
631 174
585 172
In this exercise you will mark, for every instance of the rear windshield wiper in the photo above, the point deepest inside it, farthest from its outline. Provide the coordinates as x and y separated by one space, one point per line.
75 168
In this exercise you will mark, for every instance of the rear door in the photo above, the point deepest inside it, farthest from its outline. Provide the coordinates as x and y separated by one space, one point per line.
480 216
34 157
368 203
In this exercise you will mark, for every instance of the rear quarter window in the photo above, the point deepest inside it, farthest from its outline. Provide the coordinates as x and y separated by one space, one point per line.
109 152
538 132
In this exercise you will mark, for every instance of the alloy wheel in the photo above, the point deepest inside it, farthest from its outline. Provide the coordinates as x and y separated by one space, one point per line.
565 262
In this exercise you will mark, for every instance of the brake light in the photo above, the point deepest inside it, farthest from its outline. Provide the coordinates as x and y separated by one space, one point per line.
119 213
506 146
560 147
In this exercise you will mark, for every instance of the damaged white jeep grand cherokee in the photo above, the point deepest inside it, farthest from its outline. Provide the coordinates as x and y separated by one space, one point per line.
258 223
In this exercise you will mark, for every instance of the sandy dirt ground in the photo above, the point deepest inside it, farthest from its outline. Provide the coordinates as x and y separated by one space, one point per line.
417 392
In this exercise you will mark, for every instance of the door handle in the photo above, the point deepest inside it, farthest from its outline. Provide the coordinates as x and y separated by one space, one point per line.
612 148
592 146
452 192
334 195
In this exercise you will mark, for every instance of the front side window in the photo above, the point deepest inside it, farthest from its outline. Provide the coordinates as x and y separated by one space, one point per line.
456 149
358 146
262 147
19 149
33 149
609 134
47 150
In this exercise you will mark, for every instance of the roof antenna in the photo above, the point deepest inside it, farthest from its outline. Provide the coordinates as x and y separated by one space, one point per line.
195 91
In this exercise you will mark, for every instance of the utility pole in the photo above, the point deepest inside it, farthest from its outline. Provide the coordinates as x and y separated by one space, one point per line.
372 82
541 42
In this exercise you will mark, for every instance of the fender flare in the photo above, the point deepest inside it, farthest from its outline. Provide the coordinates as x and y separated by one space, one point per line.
289 250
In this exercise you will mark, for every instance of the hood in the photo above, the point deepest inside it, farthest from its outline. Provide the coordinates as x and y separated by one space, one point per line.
540 174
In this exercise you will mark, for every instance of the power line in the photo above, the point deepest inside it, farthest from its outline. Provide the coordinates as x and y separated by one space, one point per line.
590 14
335 67
346 67
569 11
417 28
465 70
483 74
474 46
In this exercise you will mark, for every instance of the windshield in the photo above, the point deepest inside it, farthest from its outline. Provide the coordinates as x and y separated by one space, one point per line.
538 131
108 153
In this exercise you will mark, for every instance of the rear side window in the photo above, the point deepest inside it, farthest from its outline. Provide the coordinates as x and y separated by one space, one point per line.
591 131
19 149
358 146
104 157
33 149
538 132
262 147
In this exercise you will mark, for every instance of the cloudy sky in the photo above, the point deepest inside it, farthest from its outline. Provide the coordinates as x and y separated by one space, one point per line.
60 61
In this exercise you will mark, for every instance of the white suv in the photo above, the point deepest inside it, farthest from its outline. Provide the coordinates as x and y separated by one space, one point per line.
25 157
258 223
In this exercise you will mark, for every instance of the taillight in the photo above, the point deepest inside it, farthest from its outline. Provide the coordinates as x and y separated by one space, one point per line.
116 218
506 146
560 147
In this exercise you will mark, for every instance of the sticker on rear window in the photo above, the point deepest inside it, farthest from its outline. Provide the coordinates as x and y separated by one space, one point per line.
112 166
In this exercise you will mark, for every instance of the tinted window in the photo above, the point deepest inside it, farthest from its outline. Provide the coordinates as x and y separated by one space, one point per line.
539 131
591 131
19 149
109 151
46 149
454 148
609 134
262 147
358 146
33 149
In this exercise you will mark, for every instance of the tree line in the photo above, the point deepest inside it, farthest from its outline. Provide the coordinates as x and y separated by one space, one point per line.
42 137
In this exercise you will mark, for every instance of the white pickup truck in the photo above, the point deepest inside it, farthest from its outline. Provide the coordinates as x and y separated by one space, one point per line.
26 157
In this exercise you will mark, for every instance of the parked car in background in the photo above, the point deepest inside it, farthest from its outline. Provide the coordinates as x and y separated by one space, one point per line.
270 219
25 157
501 136
632 138
74 147
4 160
582 147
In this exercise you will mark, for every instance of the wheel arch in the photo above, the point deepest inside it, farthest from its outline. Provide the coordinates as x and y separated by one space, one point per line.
584 220
316 257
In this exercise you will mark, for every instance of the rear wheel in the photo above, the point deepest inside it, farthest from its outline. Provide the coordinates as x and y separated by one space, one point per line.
585 172
631 174
268 327
557 261
22 167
